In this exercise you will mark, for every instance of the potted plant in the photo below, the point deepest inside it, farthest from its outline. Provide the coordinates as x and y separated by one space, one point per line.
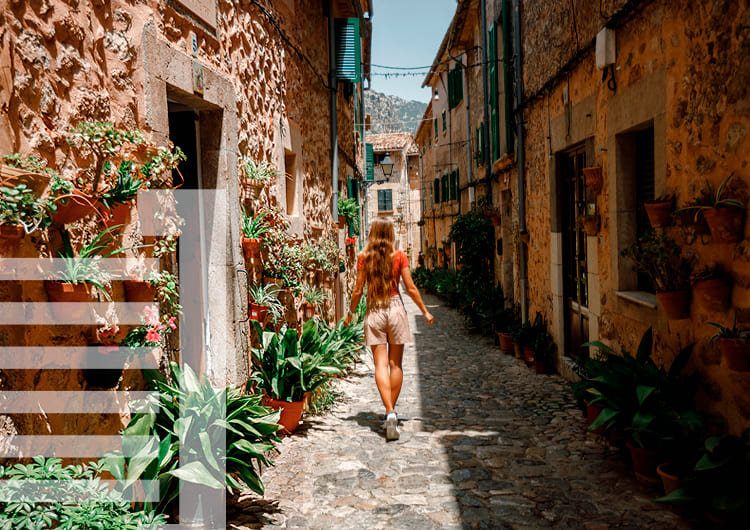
544 352
659 210
523 338
257 176
349 214
593 176
264 299
712 288
28 170
21 211
252 229
505 323
659 257
590 223
115 203
313 298
350 251
725 216
72 283
286 367
735 346
101 357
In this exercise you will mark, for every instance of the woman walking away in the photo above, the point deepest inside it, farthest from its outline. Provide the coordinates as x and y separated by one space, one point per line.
386 325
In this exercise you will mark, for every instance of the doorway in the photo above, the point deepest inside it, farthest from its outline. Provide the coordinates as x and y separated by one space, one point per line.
574 202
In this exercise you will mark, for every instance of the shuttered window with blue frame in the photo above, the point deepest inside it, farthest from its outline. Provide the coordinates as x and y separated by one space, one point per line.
369 162
348 49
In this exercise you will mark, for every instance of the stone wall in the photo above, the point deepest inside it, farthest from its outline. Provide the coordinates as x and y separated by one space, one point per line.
679 67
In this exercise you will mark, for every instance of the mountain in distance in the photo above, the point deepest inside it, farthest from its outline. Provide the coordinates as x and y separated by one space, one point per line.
392 114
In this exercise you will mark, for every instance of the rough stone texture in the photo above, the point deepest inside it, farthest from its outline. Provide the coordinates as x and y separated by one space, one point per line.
485 443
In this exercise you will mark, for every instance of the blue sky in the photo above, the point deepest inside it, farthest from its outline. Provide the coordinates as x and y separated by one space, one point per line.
407 33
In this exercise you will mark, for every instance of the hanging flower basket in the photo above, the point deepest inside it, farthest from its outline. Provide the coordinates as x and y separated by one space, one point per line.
713 294
727 223
590 224
73 207
659 212
250 248
10 232
138 291
676 304
593 177
737 354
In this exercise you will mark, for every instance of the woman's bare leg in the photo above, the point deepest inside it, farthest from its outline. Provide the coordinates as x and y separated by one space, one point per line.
382 377
395 356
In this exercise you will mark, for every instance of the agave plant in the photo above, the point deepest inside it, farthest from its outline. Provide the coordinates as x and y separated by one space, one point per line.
267 295
254 227
263 172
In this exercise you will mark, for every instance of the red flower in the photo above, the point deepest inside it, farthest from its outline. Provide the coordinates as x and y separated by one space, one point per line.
350 241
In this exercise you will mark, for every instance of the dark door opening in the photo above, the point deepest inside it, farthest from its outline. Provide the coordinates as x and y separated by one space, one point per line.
575 280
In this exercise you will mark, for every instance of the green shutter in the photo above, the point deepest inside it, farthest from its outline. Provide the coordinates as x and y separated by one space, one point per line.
455 86
494 114
445 122
436 128
445 194
369 162
348 49
478 147
436 190
454 185
507 79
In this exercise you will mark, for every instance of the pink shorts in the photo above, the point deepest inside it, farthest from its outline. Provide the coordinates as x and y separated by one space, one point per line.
387 325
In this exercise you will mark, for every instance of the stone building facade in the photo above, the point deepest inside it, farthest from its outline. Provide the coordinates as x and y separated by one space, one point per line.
396 196
661 108
226 81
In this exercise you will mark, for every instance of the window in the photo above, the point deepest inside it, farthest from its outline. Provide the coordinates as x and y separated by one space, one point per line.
507 77
436 190
455 86
479 148
454 185
369 162
445 192
348 52
385 200
445 122
436 128
644 190
290 168
494 114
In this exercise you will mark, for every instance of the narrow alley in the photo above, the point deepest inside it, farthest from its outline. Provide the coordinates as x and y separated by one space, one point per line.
485 443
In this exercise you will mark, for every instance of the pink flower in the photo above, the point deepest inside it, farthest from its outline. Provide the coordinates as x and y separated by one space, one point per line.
172 323
153 336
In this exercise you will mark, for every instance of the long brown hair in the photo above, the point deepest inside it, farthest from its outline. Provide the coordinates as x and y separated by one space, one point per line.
379 262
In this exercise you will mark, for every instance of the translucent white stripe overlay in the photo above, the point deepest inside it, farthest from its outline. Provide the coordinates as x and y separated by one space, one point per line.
24 269
59 446
68 401
68 313
76 491
75 357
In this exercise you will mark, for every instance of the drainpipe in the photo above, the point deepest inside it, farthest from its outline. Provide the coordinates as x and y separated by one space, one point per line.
485 90
334 132
469 158
521 156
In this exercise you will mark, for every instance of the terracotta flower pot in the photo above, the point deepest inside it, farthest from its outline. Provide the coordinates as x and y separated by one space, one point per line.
659 213
727 224
540 367
12 232
506 343
670 481
139 291
58 291
594 179
250 248
258 312
736 353
676 304
528 356
713 294
102 377
349 251
592 412
644 465
73 207
308 310
291 413
115 216
495 220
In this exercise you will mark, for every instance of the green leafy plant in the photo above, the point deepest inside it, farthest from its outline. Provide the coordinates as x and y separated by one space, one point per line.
188 430
126 186
31 164
659 257
285 366
20 206
267 295
730 333
167 293
350 210
314 295
263 172
254 227
474 237
88 502
709 198
86 266
157 170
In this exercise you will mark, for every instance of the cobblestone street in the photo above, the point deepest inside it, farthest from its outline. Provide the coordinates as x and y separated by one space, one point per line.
485 443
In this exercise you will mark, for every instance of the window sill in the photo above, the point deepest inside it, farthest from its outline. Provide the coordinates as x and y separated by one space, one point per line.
641 298
385 212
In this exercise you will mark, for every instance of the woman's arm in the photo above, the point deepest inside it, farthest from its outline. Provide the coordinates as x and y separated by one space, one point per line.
413 292
356 296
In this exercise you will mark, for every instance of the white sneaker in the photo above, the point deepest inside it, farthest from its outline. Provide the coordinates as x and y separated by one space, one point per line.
391 426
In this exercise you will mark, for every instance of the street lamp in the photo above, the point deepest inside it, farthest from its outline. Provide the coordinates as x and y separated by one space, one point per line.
387 165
